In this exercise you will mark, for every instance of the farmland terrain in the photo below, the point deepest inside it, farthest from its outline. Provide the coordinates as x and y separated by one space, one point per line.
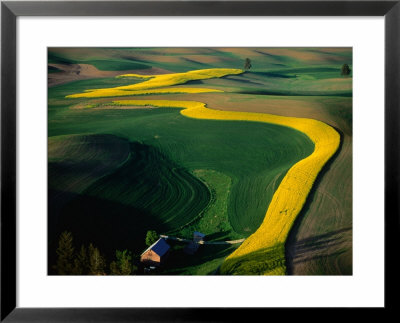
224 173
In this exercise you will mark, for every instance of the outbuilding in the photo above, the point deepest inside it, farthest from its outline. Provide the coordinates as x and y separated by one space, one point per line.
156 254
198 236
193 246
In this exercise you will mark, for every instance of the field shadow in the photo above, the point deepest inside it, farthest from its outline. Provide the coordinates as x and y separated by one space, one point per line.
180 263
116 211
296 250
294 93
259 262
217 236
241 79
317 247
195 82
274 74
108 225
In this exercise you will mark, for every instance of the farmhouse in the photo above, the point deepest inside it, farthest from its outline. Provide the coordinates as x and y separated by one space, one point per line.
156 254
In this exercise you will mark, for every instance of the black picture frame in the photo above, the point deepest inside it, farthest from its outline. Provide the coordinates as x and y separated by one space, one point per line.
10 10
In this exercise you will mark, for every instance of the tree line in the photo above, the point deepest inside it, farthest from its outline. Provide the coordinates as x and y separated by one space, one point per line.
89 260
344 70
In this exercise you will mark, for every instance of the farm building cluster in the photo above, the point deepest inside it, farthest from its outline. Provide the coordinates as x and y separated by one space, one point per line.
158 252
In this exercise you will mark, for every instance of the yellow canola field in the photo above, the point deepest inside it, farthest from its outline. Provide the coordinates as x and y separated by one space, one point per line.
114 93
291 194
141 76
158 81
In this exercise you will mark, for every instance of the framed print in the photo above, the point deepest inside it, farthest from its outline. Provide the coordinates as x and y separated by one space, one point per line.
162 159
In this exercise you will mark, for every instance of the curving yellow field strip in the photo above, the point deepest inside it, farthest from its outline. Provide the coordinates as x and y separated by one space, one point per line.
288 199
159 81
115 93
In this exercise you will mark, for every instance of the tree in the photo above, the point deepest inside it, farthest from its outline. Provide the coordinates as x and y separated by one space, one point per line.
65 254
345 70
97 263
151 237
247 64
123 265
81 262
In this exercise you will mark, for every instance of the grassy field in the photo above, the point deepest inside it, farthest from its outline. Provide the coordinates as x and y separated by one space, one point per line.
224 172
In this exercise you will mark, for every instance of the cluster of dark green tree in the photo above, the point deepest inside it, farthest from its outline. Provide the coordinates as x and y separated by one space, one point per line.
345 70
89 260
247 64
151 237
